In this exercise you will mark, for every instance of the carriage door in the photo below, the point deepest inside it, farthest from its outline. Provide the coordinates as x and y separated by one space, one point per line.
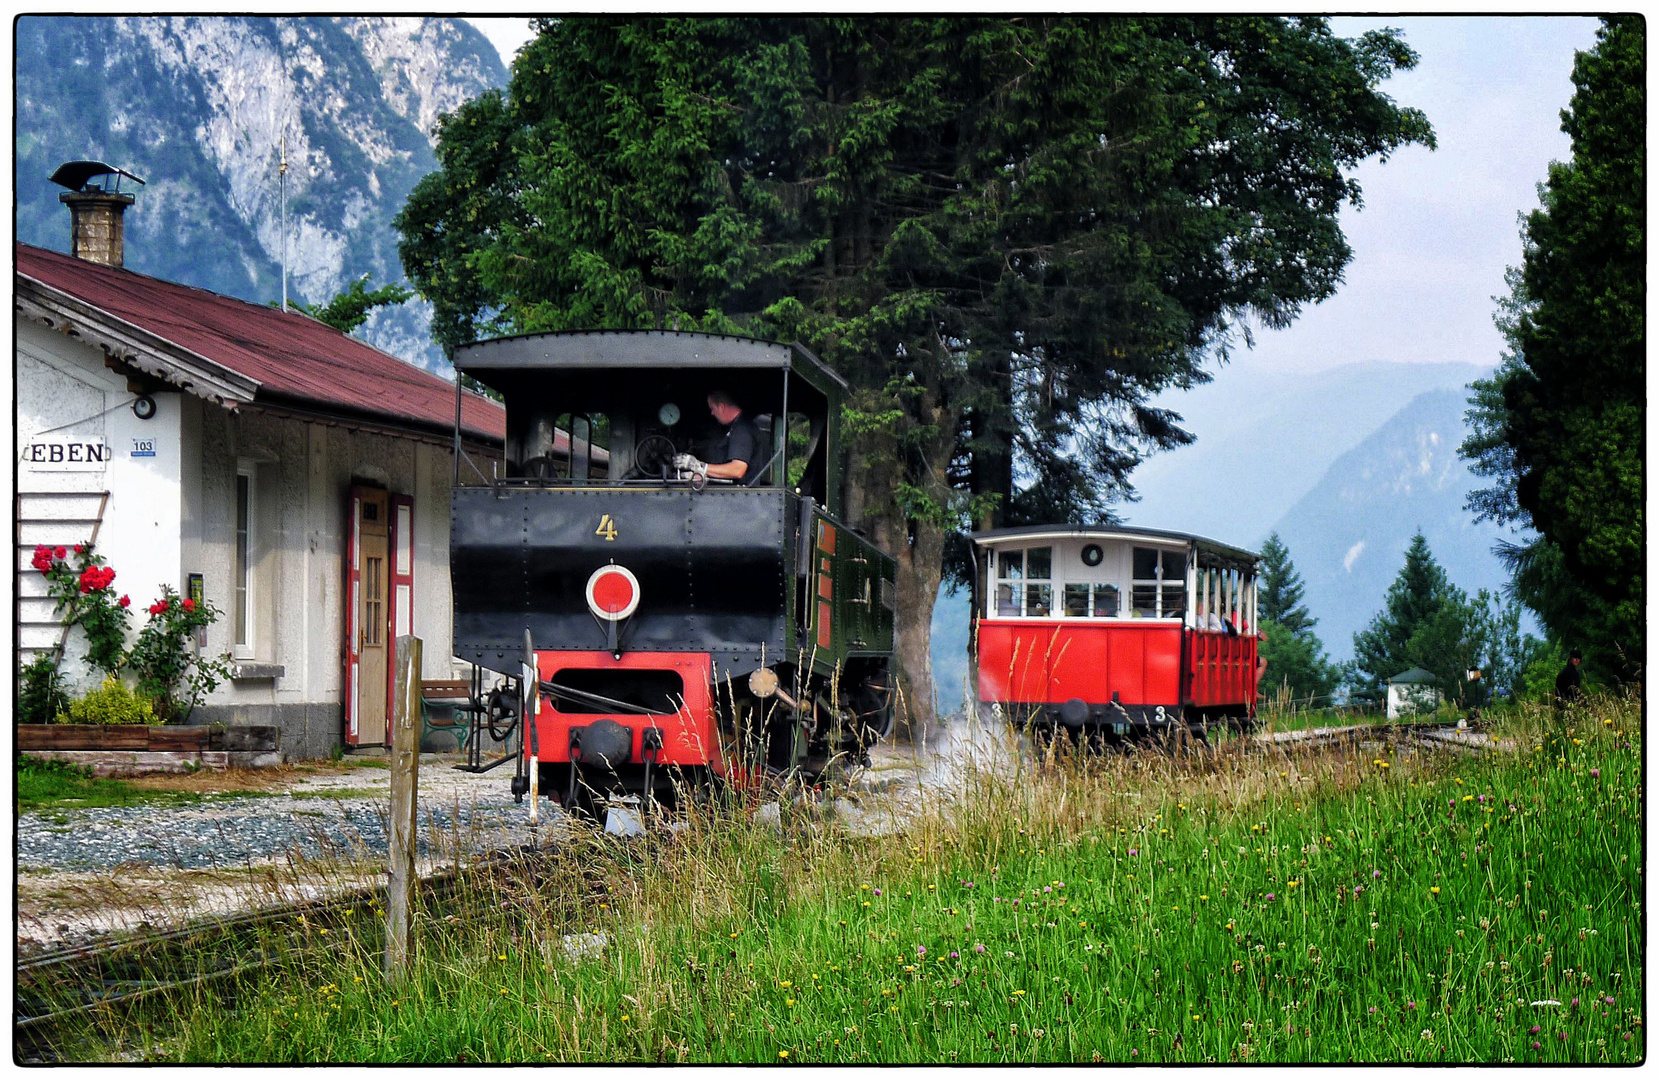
368 617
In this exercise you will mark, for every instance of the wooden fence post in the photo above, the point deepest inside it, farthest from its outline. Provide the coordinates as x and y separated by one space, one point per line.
400 831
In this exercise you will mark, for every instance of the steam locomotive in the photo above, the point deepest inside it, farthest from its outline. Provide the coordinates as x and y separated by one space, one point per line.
654 629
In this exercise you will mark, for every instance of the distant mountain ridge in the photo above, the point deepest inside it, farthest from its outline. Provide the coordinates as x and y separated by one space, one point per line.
1348 535
1266 437
198 106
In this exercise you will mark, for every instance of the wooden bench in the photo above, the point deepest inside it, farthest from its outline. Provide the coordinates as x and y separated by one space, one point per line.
446 709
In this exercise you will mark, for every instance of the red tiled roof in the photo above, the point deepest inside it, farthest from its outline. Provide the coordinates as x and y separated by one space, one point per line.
291 356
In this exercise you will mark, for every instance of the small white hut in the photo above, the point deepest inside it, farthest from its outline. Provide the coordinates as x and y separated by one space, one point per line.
1412 692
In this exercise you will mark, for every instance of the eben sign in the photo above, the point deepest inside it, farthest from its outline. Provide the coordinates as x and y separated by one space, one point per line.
67 456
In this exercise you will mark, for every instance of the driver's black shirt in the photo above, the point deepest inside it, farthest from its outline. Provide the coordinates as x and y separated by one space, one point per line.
741 442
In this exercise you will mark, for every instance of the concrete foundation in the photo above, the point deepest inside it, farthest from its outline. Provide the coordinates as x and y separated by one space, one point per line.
138 762
310 730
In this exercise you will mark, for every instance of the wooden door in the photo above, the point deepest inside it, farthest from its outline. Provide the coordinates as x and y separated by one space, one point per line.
368 618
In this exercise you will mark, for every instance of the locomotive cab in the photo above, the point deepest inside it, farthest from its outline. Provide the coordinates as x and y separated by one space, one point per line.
1115 631
685 627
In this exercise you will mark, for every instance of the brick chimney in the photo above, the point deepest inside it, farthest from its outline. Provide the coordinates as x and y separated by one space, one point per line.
96 208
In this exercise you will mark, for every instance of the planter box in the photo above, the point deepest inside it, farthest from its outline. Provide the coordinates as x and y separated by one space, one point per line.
145 739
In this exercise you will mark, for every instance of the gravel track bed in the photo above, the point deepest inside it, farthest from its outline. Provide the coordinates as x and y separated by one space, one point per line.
322 817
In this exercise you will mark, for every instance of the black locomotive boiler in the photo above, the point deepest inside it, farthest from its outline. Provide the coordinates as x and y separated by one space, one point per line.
662 627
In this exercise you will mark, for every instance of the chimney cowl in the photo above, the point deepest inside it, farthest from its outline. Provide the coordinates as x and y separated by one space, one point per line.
96 204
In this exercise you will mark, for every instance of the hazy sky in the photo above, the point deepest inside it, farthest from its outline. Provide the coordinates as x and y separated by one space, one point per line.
1438 227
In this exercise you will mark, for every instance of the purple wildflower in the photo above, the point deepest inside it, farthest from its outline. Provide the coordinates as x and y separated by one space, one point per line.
878 892
1411 1005
1270 896
954 956
1134 851
1595 774
1536 1044
979 948
1575 1003
1610 1001
1534 1029
1376 873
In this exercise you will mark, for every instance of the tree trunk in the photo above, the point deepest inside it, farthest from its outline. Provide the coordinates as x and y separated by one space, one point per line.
918 587
918 547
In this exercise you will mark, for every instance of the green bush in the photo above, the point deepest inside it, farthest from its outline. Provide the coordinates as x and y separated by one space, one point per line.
111 703
40 692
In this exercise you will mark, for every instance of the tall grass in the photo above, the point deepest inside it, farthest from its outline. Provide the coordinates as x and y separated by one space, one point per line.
1390 904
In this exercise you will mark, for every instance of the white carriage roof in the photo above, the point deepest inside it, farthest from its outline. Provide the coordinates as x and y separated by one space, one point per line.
1024 533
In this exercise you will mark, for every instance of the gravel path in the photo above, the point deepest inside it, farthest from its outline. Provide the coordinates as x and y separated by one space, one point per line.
319 817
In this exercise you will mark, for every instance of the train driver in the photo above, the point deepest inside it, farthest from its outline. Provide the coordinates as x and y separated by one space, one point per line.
736 455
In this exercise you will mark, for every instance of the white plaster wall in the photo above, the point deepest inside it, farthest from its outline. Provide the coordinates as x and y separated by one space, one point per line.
304 472
60 380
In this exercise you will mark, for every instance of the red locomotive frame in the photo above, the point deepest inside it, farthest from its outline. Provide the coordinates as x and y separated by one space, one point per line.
1115 630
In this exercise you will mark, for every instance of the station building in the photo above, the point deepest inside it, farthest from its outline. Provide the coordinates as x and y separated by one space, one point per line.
293 476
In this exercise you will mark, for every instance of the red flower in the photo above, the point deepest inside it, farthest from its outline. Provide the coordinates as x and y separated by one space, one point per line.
79 549
159 607
124 601
59 552
189 605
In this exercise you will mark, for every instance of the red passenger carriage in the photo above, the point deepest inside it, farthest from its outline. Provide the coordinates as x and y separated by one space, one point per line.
1115 631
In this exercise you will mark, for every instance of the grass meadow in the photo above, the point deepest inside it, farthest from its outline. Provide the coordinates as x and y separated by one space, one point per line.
1390 904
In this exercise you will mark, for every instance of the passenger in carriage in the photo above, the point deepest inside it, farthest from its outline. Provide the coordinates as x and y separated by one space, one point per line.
1206 619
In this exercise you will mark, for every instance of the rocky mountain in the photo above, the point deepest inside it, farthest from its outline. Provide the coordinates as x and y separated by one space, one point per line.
1348 535
1266 437
199 107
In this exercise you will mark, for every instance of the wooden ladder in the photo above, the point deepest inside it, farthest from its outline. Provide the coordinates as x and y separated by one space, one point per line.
53 518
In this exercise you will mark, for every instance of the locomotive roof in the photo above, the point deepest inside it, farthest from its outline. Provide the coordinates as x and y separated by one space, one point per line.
1110 532
643 349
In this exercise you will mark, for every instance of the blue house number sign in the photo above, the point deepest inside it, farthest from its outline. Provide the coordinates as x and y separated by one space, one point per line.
143 448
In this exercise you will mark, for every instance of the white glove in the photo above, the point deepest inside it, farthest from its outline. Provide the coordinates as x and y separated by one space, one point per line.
689 464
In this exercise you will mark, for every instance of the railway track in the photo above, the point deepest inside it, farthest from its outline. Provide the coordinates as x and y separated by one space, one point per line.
1457 736
88 992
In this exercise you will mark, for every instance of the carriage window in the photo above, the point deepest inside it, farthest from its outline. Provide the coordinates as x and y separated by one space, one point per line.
1143 591
1099 600
1174 599
1023 582
1159 588
1039 591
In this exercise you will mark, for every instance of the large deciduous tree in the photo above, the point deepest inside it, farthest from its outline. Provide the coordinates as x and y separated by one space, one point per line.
1559 427
1006 233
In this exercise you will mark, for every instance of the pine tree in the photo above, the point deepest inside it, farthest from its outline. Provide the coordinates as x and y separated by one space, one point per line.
1560 425
1295 657
1383 649
1005 233
1280 592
